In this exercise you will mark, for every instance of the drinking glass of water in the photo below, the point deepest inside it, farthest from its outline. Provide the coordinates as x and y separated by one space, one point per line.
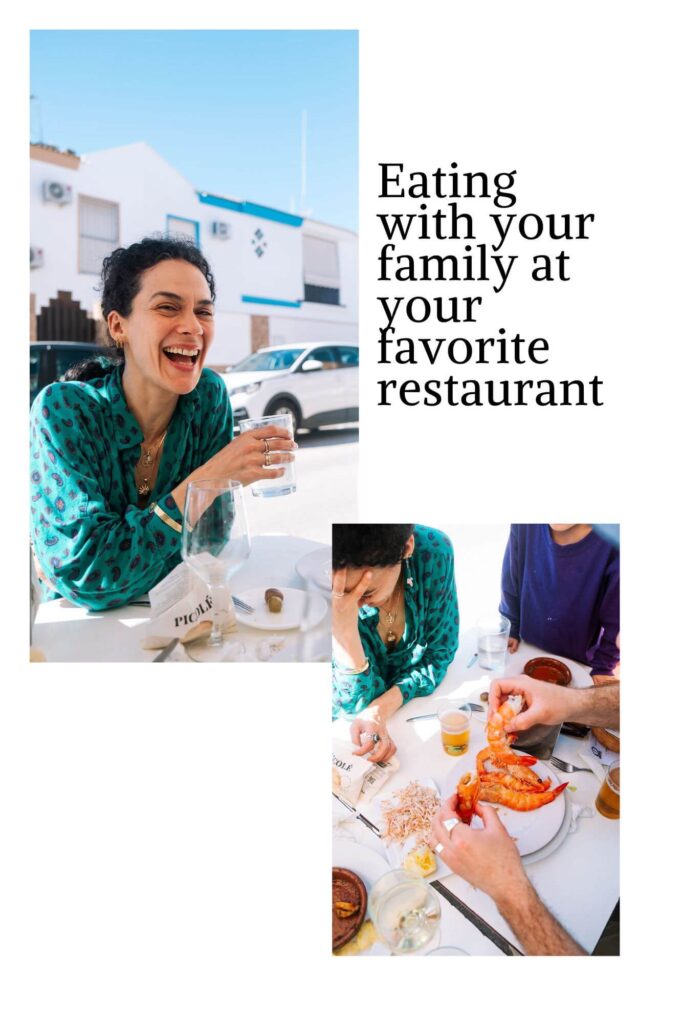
215 539
285 484
493 634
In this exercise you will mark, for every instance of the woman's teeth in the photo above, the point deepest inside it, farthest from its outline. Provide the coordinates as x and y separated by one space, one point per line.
176 353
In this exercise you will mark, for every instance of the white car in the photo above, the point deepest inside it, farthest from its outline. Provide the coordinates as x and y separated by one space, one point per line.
317 384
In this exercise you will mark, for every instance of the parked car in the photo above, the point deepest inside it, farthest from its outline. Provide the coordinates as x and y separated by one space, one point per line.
317 384
51 359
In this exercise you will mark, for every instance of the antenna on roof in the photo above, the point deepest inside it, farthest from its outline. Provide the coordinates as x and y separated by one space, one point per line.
304 141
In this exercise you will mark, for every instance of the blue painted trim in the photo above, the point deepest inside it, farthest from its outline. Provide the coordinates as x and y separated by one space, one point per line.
187 220
270 302
253 209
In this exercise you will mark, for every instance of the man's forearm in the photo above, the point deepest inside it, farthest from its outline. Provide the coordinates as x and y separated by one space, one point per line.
539 933
596 705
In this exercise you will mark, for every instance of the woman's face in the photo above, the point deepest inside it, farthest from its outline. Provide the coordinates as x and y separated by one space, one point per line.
383 582
170 327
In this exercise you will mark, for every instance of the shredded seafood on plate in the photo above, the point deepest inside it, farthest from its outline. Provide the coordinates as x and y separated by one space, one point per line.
409 813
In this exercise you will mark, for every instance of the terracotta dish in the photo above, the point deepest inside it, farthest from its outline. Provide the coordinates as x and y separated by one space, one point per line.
348 892
548 669
610 741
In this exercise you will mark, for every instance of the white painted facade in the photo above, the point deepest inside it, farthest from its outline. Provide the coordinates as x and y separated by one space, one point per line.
148 191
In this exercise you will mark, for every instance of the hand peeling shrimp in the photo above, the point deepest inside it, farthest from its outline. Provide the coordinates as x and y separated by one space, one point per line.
498 740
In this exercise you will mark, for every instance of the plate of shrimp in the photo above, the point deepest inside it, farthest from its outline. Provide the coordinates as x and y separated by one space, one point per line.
528 797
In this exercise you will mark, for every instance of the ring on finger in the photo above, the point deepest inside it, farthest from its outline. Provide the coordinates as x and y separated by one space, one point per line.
338 593
266 446
268 459
448 826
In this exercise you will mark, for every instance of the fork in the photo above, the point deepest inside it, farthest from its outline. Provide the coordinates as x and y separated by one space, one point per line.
564 766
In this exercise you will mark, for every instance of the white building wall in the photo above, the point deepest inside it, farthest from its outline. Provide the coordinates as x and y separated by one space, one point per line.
231 341
298 330
148 189
54 229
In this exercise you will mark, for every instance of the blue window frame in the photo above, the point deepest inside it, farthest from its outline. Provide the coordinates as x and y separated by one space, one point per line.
184 226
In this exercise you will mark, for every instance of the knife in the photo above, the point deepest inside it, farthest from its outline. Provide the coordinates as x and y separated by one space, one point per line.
507 947
360 817
168 650
434 714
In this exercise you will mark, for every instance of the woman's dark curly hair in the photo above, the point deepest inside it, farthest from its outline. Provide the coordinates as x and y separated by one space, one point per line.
121 274
122 270
359 544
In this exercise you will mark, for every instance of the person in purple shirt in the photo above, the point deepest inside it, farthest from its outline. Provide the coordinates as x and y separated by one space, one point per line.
560 591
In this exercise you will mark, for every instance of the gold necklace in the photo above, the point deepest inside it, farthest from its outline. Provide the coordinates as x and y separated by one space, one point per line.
391 637
148 461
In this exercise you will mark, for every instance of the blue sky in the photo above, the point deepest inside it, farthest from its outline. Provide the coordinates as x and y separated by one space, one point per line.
223 107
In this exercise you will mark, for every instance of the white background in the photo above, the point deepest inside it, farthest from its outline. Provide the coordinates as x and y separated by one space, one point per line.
165 853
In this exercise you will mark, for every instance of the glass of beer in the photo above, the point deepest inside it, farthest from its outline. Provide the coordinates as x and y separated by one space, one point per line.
608 797
455 729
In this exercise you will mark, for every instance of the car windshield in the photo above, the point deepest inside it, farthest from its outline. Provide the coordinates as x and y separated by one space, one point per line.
268 359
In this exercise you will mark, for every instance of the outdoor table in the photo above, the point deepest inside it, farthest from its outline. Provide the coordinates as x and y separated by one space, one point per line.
578 882
64 631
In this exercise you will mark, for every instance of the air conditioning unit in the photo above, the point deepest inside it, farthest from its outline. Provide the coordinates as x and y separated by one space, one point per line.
37 257
57 192
220 229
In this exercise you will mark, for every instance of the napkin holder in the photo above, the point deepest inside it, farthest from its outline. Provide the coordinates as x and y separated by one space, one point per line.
355 778
181 600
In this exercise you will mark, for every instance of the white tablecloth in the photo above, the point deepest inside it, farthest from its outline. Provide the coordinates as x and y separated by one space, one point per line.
65 632
578 882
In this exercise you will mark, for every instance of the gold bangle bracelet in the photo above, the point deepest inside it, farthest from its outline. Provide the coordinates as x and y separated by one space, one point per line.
355 671
164 517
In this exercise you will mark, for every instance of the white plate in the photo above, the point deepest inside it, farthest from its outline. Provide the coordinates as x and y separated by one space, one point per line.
317 566
397 852
369 866
532 829
291 614
555 843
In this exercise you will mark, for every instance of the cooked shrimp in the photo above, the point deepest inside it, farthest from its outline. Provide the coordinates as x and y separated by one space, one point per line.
481 757
467 795
497 794
511 782
524 774
498 739
520 771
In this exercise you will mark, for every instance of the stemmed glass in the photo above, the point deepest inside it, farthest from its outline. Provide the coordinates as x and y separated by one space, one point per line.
315 631
405 911
215 539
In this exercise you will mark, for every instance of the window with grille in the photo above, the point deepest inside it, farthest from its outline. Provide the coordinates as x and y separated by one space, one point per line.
321 271
98 232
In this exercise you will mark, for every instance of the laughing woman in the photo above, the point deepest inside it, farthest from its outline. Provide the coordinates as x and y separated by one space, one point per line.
395 624
113 450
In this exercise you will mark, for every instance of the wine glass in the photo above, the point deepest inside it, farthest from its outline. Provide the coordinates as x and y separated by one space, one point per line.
215 539
405 911
315 631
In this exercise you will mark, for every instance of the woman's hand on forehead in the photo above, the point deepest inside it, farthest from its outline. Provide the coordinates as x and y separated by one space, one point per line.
340 583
